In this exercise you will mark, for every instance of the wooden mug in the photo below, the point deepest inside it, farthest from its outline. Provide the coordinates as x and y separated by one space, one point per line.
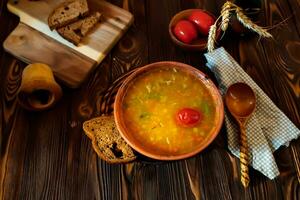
38 90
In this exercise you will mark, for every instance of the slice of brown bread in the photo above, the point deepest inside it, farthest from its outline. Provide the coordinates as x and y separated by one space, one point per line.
107 141
76 31
67 13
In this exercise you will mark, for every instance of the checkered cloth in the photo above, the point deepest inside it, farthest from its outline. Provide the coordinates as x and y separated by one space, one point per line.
267 129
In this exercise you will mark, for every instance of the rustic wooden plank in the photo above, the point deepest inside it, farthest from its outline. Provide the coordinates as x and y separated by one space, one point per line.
270 65
9 111
8 108
130 52
170 176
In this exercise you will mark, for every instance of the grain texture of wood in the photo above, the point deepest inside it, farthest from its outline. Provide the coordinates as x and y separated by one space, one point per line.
33 41
32 46
47 156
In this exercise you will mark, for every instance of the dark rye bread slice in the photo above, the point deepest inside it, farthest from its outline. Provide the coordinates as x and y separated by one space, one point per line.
67 13
76 31
107 141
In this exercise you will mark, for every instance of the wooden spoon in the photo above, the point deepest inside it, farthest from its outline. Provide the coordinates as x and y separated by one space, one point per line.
240 101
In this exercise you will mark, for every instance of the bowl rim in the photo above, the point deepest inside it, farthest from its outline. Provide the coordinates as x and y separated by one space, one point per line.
156 65
201 46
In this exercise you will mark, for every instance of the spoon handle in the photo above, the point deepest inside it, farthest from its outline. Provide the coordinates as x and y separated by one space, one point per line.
244 157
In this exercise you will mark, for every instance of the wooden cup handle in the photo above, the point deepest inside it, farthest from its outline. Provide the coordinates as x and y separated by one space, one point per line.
244 157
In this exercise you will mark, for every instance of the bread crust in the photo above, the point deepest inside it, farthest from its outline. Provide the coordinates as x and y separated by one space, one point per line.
90 128
52 19
74 32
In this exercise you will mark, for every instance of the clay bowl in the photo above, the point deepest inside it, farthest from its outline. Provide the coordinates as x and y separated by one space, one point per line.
197 45
153 152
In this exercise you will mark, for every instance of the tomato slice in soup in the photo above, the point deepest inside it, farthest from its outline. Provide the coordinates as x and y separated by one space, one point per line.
188 117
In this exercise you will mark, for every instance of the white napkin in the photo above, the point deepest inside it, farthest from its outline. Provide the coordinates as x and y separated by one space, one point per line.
267 129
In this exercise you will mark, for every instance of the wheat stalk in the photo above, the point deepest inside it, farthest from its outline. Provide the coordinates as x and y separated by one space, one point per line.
211 38
242 18
250 25
225 13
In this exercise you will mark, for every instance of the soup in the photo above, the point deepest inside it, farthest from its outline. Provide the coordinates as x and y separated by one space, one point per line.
169 111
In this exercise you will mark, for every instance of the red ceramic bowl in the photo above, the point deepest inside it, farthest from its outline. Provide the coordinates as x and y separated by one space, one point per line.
150 152
199 44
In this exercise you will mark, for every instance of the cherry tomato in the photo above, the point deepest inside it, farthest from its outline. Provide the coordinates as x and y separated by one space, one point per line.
188 117
185 31
202 20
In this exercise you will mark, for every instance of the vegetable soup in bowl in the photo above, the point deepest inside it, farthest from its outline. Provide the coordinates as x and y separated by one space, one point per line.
168 110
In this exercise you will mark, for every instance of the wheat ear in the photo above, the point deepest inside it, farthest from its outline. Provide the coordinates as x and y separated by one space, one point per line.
250 25
225 13
212 38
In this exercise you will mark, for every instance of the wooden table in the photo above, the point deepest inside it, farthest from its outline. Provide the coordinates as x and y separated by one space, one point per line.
45 155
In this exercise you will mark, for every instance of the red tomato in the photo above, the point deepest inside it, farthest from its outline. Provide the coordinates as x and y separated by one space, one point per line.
185 31
202 20
188 117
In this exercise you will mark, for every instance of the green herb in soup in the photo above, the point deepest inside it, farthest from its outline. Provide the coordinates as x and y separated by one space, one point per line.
169 111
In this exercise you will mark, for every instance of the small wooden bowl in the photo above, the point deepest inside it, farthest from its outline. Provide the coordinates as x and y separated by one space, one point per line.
197 45
151 152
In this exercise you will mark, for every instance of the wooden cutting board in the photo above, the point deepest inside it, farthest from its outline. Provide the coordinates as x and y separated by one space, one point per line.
32 40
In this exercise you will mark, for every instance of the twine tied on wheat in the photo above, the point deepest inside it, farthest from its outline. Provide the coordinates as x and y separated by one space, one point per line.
227 8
